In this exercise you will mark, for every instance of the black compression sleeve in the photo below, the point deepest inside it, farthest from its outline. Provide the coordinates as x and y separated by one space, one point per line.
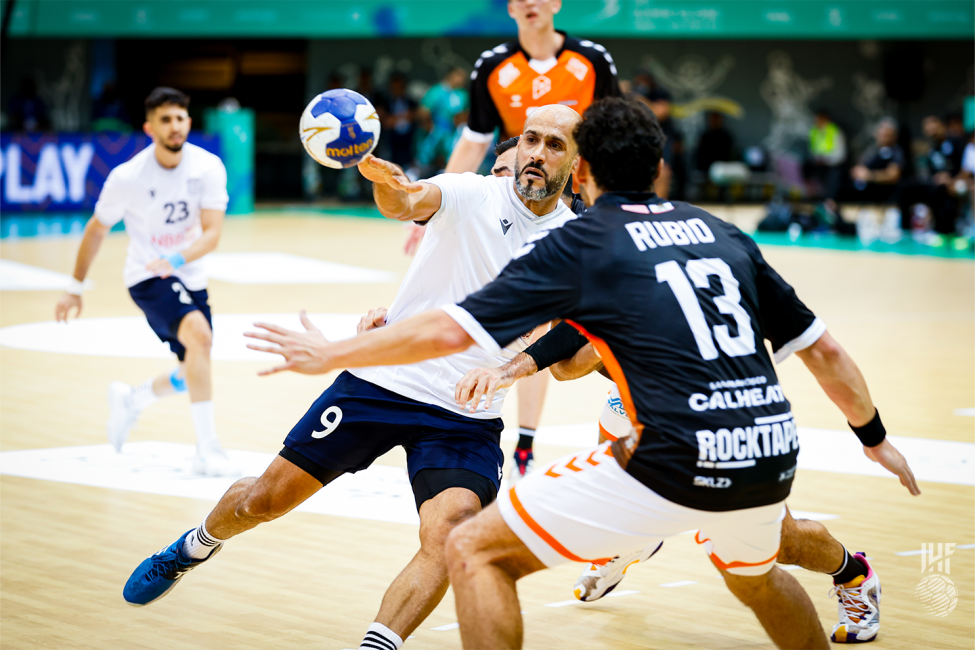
559 344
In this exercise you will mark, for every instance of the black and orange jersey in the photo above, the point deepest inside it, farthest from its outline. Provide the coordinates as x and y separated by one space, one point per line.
506 83
679 304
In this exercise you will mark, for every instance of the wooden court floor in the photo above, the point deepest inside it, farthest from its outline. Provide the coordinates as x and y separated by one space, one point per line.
315 581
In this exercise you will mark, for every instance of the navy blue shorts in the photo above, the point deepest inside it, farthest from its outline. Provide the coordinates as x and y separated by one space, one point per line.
365 421
165 303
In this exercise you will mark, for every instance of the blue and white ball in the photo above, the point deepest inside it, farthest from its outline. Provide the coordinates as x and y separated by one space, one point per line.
339 128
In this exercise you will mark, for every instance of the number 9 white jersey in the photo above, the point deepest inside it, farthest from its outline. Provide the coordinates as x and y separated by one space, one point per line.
161 208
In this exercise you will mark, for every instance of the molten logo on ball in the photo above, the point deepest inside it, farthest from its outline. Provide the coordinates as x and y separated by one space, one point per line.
339 128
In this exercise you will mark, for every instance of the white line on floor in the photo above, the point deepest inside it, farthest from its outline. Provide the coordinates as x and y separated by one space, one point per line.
679 583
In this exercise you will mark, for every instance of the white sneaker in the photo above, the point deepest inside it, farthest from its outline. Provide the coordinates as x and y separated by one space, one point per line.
597 581
524 464
122 416
214 463
859 607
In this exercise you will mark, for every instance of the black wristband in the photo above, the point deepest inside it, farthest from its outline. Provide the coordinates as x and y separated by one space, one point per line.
872 433
559 344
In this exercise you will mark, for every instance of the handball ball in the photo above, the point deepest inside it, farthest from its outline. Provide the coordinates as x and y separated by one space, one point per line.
339 128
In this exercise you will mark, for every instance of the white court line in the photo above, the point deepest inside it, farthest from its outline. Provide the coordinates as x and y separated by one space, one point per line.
922 551
679 583
444 628
967 412
787 567
618 594
564 603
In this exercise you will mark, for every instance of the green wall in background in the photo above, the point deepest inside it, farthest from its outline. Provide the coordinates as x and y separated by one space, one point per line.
236 131
843 19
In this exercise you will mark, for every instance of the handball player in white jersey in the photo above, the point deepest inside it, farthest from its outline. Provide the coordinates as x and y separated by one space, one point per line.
475 225
172 197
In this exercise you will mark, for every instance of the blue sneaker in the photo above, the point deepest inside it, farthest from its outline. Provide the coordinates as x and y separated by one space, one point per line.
157 575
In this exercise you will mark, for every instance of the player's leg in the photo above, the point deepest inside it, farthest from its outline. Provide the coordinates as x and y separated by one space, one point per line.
782 606
485 559
420 587
599 579
744 545
808 544
248 502
531 400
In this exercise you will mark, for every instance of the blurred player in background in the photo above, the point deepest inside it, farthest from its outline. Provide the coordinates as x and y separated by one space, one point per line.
543 66
172 197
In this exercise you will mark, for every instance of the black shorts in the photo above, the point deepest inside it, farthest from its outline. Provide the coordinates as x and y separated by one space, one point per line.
354 422
165 303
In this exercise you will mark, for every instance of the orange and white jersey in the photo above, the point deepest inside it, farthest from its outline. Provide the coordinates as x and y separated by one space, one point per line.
613 421
506 84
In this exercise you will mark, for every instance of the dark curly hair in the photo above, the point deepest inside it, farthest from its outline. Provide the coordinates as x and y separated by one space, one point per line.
622 142
506 145
164 95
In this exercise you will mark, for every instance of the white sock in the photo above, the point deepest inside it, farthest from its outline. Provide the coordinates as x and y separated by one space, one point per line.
199 544
206 430
380 637
143 395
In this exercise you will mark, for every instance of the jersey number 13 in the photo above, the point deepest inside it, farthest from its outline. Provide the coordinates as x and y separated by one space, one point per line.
728 303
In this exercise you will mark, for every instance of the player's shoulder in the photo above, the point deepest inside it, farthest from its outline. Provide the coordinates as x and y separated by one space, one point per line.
201 158
597 54
132 167
491 59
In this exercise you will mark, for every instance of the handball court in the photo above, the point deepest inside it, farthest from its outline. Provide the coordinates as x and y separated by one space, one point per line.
76 518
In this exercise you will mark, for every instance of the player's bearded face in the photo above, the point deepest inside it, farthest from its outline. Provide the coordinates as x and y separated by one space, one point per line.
170 125
535 183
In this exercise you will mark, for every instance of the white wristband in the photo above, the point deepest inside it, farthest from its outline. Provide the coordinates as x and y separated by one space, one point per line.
75 287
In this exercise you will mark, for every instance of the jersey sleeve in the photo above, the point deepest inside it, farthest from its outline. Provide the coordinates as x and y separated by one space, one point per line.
606 84
110 207
460 195
484 116
540 284
215 188
788 324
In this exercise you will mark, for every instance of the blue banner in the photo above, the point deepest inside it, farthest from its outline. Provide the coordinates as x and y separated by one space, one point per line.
64 172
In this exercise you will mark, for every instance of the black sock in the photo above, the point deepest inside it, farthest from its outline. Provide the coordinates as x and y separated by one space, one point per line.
526 437
850 569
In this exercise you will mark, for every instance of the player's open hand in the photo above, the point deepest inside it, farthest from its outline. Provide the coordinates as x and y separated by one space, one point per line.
303 352
374 319
161 268
67 302
480 383
382 171
893 461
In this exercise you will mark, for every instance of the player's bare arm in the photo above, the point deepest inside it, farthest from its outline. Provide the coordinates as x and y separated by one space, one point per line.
843 383
486 382
95 233
425 336
211 221
582 363
467 156
397 197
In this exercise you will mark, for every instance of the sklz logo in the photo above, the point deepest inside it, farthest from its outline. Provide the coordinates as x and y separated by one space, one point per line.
719 482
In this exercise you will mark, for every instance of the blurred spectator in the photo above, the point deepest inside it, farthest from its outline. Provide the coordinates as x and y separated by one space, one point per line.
443 107
876 175
671 175
108 112
399 125
938 191
716 143
26 110
827 153
955 123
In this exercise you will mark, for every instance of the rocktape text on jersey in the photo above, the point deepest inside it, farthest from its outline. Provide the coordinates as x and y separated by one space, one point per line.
774 435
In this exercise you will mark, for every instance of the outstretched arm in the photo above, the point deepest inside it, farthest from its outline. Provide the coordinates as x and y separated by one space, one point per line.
397 197
843 383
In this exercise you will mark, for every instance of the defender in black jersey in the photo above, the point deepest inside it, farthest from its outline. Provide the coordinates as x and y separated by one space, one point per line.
678 303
